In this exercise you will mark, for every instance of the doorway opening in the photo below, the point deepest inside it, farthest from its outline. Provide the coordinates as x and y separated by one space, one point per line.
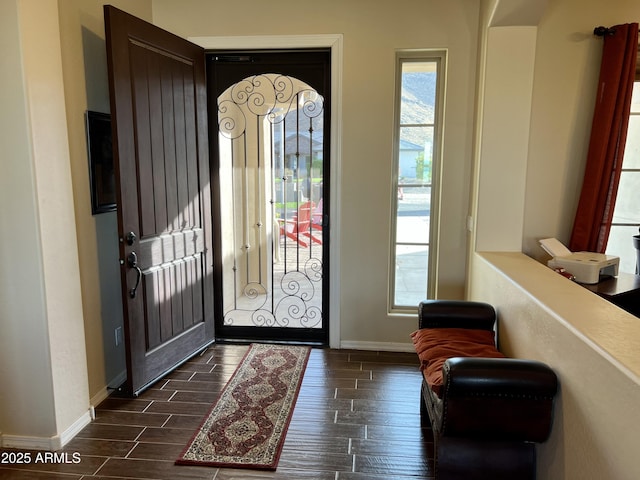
269 134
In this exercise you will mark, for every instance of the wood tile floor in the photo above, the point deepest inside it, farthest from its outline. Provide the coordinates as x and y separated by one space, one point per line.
357 418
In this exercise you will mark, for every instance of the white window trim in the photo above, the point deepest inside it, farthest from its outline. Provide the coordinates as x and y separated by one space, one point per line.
439 56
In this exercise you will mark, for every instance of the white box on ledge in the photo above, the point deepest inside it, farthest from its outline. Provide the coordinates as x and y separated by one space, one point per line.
586 267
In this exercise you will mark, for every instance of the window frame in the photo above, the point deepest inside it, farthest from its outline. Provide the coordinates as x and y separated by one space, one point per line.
623 170
439 57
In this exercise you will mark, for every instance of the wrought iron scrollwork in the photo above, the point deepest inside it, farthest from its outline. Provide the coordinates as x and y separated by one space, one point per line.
292 296
294 303
270 96
231 120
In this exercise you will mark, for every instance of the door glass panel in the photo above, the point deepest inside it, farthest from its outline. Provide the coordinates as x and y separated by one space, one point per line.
271 155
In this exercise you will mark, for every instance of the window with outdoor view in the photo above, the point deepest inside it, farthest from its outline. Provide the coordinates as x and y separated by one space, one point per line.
416 150
626 214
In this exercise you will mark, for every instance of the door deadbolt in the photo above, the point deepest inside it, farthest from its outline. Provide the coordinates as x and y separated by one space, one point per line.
130 238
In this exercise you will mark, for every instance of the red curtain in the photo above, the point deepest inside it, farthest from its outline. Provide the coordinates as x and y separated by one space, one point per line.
608 136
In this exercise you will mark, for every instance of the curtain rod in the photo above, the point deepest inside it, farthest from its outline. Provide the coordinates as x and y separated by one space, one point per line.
603 31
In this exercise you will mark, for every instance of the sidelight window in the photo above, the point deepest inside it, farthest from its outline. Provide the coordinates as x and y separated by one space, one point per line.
417 138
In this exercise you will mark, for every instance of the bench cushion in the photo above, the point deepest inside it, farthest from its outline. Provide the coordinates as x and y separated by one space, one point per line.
435 345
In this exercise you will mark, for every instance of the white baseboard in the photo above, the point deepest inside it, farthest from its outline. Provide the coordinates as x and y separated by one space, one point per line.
75 428
46 443
29 443
99 397
378 346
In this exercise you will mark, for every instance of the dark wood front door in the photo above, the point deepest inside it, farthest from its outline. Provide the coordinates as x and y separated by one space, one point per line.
159 114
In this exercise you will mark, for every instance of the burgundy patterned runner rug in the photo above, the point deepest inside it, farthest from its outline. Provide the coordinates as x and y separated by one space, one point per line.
246 426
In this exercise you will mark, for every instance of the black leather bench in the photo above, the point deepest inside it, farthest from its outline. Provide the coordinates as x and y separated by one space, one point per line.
487 411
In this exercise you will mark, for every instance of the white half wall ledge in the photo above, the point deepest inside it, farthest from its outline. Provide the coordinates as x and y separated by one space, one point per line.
591 344
610 331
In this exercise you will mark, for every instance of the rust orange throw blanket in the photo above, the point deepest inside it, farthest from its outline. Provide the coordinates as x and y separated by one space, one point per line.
246 427
435 345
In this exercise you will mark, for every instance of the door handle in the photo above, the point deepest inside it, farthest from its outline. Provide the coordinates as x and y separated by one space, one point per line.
132 262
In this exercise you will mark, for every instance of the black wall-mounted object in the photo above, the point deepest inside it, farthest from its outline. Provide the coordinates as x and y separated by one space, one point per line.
101 172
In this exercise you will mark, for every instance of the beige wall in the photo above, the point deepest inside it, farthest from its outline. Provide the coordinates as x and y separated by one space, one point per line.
22 308
57 316
42 330
86 87
371 35
532 183
566 73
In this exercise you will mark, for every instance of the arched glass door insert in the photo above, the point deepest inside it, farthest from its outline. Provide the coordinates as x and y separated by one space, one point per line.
271 155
